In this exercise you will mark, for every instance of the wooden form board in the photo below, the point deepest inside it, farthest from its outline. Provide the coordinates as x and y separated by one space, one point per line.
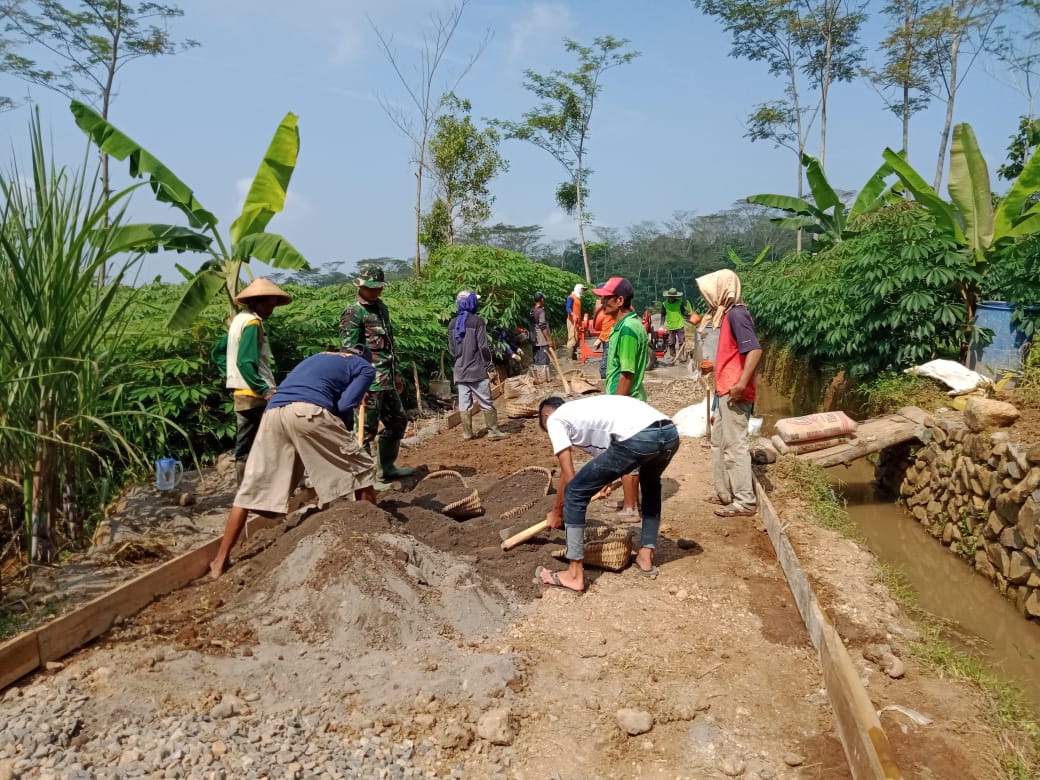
31 650
866 745
871 436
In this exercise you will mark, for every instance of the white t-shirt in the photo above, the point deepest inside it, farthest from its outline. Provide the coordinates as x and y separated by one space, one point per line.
594 423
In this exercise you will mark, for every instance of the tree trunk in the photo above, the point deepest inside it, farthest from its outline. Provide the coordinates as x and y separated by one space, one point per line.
41 523
581 226
418 216
951 94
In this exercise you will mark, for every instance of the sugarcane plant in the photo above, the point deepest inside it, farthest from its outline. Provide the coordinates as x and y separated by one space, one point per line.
61 417
247 237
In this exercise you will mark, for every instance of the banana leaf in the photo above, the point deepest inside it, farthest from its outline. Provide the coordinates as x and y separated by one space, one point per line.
874 194
166 186
153 237
270 248
808 224
969 189
941 211
266 195
1009 214
823 193
787 203
200 291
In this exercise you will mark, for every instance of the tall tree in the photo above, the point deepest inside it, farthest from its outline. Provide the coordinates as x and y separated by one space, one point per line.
906 70
1017 48
956 32
766 31
560 124
828 33
416 120
79 50
463 161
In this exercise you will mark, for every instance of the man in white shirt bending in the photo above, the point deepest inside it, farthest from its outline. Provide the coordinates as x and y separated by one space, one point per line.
622 434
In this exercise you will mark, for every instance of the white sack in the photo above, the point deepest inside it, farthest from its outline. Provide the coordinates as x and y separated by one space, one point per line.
692 420
951 373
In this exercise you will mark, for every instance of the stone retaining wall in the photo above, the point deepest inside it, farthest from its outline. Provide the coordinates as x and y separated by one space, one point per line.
979 494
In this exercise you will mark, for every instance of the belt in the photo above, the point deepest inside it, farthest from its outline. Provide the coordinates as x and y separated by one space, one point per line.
660 424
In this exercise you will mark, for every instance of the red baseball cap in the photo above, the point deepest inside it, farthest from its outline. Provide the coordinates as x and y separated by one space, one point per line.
616 285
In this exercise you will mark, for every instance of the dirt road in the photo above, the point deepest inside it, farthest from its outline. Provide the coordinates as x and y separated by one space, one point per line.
393 642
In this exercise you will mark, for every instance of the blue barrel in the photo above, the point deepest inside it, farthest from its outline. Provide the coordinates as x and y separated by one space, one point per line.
1006 350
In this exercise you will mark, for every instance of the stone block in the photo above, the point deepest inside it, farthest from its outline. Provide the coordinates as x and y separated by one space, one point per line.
1033 604
1012 470
976 487
980 505
1027 485
1033 454
1008 508
1028 521
984 567
919 513
1020 567
998 556
1011 538
934 508
994 526
981 414
947 533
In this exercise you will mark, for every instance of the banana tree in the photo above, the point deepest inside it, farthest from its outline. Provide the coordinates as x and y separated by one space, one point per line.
970 218
827 216
247 238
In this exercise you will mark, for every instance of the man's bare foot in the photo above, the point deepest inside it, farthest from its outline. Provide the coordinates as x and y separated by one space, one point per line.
218 567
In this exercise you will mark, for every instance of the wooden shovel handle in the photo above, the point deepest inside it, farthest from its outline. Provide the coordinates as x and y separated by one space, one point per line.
359 423
523 536
556 363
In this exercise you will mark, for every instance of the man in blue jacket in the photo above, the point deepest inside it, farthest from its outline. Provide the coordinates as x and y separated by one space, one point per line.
308 425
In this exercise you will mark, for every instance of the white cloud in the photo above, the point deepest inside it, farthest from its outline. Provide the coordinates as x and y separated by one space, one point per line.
557 225
542 27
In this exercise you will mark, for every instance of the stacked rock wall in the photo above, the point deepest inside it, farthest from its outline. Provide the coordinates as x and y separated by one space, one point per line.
979 494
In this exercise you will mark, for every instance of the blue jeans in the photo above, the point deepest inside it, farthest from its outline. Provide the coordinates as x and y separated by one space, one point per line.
650 451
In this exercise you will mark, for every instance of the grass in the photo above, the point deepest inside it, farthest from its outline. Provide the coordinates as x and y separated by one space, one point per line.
1015 725
890 391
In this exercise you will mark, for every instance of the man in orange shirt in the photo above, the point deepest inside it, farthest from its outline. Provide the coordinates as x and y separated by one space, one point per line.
735 362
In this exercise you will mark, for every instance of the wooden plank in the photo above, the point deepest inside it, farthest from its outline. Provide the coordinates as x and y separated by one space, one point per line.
18 657
870 437
866 746
50 642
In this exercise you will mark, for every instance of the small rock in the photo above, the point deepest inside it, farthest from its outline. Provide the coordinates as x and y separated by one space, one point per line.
732 766
634 722
54 666
496 726
793 759
186 499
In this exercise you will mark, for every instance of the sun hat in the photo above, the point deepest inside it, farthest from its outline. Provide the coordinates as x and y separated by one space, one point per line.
264 288
671 292
370 276
616 285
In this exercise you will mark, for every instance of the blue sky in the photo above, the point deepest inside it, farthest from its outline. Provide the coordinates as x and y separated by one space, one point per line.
667 133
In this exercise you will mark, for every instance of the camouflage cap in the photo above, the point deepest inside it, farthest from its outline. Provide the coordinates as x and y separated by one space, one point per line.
370 276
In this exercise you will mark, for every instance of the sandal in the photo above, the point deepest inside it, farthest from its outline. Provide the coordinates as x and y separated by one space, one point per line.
732 510
717 501
555 577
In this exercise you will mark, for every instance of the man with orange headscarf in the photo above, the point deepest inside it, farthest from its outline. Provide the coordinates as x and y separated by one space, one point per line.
735 362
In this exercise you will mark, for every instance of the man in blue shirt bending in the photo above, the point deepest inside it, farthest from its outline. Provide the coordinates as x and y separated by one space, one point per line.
307 426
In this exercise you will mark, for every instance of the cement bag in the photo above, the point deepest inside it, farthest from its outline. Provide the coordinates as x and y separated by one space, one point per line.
825 425
692 420
807 446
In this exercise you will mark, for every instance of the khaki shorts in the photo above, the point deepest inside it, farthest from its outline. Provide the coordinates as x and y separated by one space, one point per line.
298 437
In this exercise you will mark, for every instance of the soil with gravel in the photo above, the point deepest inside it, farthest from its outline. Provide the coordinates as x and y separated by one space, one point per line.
397 642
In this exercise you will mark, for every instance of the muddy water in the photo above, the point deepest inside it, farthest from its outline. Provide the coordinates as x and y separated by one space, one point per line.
981 620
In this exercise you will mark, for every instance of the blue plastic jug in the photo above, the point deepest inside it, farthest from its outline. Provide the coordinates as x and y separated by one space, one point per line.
168 473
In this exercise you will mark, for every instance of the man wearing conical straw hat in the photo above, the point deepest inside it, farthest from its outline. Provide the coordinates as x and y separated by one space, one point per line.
245 356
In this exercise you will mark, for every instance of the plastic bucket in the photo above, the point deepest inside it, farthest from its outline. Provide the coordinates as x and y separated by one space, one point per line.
1006 351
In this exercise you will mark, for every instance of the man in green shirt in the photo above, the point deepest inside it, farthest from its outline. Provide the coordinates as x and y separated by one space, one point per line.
674 311
627 354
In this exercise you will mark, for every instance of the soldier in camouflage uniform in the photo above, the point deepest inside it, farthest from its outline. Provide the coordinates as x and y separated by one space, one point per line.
367 321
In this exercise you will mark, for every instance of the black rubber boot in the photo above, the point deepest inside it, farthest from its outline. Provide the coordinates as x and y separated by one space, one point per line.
491 420
388 449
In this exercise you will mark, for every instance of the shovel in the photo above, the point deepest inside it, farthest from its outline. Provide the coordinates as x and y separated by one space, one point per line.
440 386
556 364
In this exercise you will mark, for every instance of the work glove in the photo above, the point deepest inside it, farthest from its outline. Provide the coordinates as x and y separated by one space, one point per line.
520 352
516 357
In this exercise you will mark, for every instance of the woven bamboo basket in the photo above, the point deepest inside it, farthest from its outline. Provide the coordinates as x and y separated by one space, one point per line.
518 385
470 506
443 474
605 548
540 470
524 406
579 384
